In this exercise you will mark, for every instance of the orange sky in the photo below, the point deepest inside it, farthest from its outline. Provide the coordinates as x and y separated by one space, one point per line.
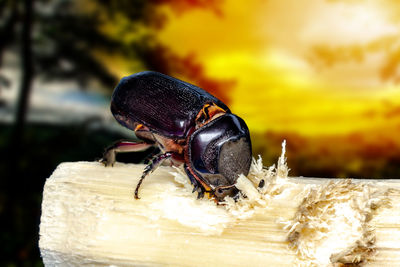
312 67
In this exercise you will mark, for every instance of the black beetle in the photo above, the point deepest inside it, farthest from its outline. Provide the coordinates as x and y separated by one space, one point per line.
188 125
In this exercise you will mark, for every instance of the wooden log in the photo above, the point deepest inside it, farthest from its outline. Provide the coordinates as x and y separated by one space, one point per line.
89 216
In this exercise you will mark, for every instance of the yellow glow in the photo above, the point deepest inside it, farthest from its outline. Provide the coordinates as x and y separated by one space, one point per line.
310 67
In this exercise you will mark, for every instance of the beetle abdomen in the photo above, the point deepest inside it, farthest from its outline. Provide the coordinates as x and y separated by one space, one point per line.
164 104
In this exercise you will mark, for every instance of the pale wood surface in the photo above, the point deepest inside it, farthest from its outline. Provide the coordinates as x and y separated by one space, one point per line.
89 216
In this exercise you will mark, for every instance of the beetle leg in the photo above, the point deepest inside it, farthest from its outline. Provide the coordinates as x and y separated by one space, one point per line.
192 179
200 195
150 156
122 146
150 168
198 186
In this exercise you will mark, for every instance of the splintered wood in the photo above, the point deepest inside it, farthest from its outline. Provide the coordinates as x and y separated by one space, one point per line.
90 217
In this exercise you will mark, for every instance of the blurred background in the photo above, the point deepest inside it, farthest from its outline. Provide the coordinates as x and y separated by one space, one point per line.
322 74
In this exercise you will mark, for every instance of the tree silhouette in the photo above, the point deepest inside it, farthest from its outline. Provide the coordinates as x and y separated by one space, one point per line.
59 39
8 17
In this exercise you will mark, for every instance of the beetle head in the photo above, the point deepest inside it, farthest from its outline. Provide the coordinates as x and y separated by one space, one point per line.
219 152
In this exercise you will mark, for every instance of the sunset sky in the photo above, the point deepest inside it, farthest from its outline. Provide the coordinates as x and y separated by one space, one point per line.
323 75
311 67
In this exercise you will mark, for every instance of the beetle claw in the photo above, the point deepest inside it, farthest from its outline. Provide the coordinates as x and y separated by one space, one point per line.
200 194
195 187
193 181
105 162
108 158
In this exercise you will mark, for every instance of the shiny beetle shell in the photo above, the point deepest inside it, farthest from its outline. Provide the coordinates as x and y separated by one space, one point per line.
188 125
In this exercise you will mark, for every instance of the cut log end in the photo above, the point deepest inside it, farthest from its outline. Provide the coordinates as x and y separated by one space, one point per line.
90 216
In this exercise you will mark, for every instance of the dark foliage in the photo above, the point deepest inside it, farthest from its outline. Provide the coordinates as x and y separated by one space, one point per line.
61 40
22 181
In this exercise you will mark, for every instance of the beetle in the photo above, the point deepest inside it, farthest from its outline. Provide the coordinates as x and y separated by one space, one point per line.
188 125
